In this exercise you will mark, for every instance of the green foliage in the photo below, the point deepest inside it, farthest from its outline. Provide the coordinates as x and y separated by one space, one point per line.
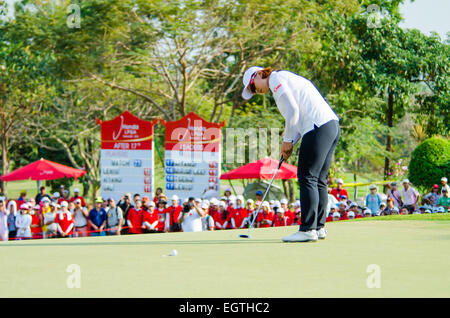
430 161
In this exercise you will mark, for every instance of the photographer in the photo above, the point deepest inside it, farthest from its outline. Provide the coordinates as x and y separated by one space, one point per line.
191 216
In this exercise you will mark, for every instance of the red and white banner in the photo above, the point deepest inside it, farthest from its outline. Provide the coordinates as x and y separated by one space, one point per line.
126 158
192 156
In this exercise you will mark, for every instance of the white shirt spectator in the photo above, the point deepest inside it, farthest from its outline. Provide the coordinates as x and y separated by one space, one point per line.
50 217
79 220
192 221
23 223
410 196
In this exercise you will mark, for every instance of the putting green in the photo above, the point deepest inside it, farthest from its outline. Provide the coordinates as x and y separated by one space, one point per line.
412 257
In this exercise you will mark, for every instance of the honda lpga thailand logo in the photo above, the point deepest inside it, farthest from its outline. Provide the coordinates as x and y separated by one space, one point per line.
128 129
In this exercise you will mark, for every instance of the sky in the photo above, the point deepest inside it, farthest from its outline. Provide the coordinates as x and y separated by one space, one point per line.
425 15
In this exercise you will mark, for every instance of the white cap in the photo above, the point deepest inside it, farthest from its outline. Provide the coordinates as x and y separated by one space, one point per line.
277 203
336 215
64 204
45 199
232 198
284 201
37 207
250 201
240 197
222 204
24 206
76 190
265 203
372 186
343 203
152 204
382 203
78 200
246 94
280 210
444 179
427 211
174 197
340 181
56 195
204 205
353 204
351 213
214 201
368 211
406 181
272 202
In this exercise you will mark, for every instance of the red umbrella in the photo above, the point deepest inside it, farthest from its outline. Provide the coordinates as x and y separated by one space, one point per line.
262 169
42 170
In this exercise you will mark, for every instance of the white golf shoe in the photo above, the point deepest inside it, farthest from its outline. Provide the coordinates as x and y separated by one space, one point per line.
321 234
300 236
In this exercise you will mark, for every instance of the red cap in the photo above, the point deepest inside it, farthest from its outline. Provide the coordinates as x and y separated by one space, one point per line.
435 186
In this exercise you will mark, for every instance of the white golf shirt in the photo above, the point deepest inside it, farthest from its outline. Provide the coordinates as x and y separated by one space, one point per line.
192 221
300 103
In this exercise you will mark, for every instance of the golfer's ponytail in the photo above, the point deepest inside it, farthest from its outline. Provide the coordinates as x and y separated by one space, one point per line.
265 73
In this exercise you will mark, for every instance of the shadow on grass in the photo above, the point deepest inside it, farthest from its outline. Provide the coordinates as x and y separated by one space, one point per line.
72 242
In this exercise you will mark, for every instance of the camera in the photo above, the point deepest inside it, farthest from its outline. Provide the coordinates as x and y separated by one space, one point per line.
187 207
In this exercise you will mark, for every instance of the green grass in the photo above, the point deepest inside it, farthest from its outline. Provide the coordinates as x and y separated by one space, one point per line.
412 256
409 217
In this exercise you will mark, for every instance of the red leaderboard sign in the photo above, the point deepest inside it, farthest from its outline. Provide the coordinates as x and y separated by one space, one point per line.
126 158
192 156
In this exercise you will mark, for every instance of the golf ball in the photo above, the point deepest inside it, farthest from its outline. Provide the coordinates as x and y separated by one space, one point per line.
174 253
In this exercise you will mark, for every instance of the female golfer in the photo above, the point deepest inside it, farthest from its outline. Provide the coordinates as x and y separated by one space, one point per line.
306 115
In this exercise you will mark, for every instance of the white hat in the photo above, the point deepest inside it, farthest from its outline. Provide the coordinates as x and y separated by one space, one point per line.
227 189
353 204
272 202
240 197
368 211
45 199
78 200
336 215
224 198
444 179
277 203
24 206
56 195
221 203
198 200
211 184
405 181
351 213
174 197
284 201
382 203
76 190
280 210
204 205
343 203
250 201
427 211
232 198
206 201
265 203
340 181
37 207
214 201
152 204
372 186
65 204
246 94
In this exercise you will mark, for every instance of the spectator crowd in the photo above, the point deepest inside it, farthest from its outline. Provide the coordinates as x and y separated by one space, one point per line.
58 215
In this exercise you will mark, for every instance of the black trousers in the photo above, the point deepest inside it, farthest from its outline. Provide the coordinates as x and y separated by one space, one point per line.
314 160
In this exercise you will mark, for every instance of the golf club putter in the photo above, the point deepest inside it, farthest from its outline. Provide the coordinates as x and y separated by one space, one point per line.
264 196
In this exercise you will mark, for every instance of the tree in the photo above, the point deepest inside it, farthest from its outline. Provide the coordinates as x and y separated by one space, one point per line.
430 161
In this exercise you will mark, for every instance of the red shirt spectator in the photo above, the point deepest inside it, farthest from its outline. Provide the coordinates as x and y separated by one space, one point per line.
238 216
339 190
280 220
265 216
135 216
72 199
151 217
163 219
174 213
36 229
64 222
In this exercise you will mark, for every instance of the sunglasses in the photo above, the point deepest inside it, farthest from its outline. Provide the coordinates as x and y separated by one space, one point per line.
251 85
